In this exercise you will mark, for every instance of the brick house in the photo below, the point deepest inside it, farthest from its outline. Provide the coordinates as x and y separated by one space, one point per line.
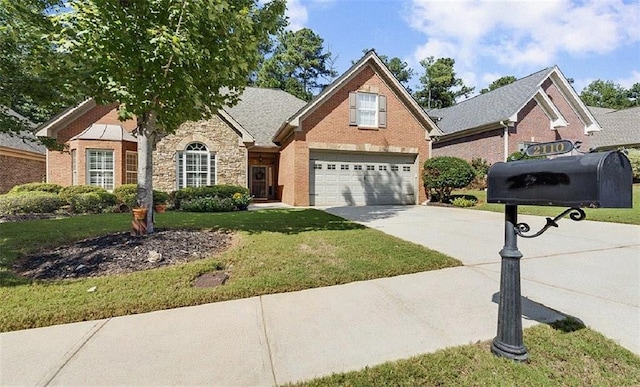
22 158
541 107
99 149
361 141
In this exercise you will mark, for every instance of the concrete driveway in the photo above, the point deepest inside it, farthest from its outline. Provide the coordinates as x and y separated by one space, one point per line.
589 270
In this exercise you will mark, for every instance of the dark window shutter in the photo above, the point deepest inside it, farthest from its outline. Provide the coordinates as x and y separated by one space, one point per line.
382 111
352 109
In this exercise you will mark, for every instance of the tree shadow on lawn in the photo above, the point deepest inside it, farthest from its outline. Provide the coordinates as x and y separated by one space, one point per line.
285 221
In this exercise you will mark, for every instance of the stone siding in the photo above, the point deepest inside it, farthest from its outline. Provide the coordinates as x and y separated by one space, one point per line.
218 136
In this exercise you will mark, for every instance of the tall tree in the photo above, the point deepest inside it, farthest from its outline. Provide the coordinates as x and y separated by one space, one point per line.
399 68
298 64
606 94
165 61
30 69
633 94
502 81
440 86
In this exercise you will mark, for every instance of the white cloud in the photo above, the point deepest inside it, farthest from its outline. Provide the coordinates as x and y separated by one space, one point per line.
525 35
629 81
297 14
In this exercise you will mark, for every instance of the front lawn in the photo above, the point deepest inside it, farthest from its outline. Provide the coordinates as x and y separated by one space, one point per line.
614 215
557 357
277 251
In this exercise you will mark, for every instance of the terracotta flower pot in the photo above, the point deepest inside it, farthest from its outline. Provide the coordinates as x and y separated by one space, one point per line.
139 213
160 208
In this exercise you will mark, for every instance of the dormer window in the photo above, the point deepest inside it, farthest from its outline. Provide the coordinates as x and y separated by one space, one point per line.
367 110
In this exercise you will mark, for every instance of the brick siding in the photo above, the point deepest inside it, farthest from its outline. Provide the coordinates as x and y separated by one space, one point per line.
19 170
329 124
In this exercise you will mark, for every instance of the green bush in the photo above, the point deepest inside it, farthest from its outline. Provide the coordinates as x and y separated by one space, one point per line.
444 174
480 169
127 194
39 187
92 202
634 158
208 204
517 156
220 191
463 202
160 197
68 192
30 202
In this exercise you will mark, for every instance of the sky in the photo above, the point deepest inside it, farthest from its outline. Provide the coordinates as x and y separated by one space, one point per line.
586 39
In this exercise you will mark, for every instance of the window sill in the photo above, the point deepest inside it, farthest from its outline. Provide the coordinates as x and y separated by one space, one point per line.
368 127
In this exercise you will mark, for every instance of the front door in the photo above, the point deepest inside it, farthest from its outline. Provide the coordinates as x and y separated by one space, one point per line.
259 181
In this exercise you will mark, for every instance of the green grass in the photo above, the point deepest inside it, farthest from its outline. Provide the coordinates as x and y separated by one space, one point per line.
614 215
277 251
556 358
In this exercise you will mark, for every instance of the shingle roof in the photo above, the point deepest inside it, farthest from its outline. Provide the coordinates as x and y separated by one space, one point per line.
619 127
25 141
261 111
492 107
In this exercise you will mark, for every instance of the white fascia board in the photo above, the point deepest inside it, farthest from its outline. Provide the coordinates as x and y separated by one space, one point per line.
550 109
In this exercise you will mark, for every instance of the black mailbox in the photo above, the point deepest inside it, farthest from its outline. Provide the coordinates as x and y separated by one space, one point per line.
600 180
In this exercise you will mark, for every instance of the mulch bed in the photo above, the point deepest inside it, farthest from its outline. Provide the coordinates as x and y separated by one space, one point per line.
122 253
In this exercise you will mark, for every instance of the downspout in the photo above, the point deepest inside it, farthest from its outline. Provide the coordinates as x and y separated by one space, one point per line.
505 140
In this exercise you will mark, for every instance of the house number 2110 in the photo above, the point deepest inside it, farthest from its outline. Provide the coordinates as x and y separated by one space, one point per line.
549 148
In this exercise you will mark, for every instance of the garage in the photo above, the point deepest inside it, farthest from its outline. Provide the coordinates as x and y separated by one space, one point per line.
358 179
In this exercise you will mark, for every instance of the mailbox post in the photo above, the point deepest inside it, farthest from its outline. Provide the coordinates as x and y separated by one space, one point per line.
591 180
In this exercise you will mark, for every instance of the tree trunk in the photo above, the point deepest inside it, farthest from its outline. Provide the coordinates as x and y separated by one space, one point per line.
146 130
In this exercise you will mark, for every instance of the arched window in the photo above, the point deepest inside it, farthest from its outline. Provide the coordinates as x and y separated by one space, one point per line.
196 166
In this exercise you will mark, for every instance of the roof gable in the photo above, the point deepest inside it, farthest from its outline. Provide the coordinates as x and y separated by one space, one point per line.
64 118
369 59
503 104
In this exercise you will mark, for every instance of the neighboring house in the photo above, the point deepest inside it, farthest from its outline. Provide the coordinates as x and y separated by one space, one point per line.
541 107
361 141
620 128
22 158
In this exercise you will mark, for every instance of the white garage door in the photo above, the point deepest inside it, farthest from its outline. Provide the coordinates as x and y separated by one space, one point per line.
350 179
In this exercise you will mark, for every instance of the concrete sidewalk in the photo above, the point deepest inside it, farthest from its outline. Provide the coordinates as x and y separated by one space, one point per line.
585 269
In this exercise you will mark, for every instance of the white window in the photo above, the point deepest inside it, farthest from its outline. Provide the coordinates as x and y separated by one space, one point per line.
357 167
74 167
100 168
317 166
394 168
382 167
331 166
196 166
367 109
371 167
344 167
406 168
131 166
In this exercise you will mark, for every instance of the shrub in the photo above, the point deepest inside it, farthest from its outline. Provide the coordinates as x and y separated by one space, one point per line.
127 194
463 202
634 158
39 187
68 192
92 202
30 202
220 191
208 204
160 197
446 173
480 169
517 156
